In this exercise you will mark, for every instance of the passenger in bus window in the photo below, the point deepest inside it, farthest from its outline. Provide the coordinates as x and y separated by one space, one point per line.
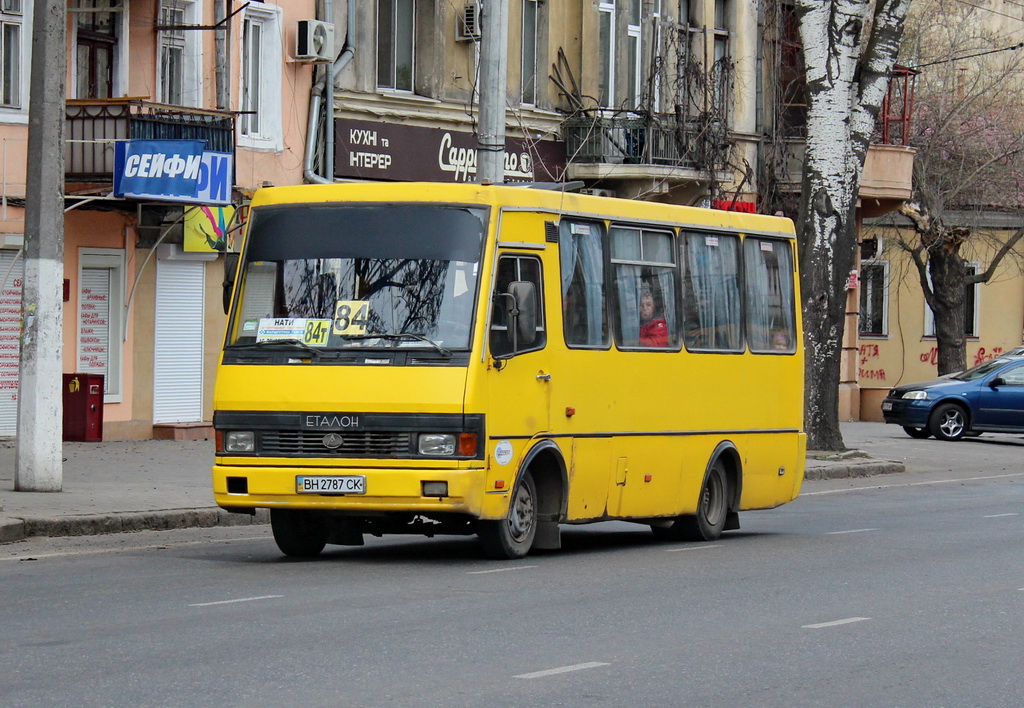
780 341
653 330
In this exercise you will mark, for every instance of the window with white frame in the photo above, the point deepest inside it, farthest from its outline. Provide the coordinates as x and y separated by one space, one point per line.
10 52
874 298
101 316
635 52
178 53
606 38
971 294
528 64
396 44
720 73
260 96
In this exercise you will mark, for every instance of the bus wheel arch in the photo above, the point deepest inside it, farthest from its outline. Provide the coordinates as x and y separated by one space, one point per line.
540 494
717 504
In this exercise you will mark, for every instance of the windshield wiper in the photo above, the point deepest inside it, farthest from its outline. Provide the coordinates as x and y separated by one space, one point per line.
405 335
272 342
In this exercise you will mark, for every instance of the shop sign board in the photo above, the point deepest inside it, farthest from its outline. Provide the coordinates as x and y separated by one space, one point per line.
381 151
172 170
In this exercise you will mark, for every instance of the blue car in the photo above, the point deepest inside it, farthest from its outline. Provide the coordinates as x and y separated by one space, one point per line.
987 398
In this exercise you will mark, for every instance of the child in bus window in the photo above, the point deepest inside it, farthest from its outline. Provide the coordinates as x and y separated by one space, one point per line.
653 330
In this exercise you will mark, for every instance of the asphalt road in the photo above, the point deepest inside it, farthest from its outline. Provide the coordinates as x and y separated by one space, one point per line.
904 590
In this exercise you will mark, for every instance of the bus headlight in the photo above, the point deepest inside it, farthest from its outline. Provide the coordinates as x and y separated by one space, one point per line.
239 441
437 444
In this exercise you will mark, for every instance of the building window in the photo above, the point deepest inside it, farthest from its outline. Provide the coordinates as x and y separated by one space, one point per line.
606 38
260 96
635 54
971 293
97 34
792 83
528 64
101 316
10 53
874 298
720 72
396 32
178 56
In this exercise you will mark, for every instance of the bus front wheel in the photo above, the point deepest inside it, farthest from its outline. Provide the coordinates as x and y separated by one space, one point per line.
512 537
298 533
712 511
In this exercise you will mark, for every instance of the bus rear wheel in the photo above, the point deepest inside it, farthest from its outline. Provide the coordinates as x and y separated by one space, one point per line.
712 511
512 537
298 533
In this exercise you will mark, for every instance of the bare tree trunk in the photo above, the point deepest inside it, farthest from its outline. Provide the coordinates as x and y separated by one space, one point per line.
948 288
846 80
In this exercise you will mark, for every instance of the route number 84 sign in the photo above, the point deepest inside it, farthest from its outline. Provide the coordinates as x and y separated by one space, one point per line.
350 317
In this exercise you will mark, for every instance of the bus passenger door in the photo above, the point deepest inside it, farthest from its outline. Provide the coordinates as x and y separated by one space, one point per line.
520 375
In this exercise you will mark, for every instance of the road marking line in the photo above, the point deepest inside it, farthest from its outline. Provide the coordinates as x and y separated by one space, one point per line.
241 599
562 670
691 548
835 623
499 570
999 516
911 484
836 533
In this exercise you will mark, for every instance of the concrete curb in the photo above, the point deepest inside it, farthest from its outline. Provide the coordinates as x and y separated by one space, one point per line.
16 529
853 469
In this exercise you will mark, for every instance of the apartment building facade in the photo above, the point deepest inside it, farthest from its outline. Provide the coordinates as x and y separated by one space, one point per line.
142 304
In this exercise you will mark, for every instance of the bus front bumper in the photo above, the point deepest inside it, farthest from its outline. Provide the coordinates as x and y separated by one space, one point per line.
242 488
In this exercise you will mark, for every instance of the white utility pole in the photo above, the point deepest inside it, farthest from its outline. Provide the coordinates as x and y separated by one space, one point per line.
38 466
490 151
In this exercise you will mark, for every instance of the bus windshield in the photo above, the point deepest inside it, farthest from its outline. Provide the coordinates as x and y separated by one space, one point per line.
349 276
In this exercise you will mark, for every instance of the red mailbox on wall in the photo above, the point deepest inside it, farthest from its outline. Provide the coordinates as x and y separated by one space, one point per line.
83 407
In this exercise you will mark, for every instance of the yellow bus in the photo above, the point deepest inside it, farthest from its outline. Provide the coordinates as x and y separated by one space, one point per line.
501 361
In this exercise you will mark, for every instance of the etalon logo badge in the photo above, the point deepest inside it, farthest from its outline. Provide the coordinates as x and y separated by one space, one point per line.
332 441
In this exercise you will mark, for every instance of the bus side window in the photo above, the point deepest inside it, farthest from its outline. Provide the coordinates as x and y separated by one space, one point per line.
644 284
771 323
581 252
514 270
711 292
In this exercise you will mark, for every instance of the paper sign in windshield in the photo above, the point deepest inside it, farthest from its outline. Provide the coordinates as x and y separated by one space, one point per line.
308 331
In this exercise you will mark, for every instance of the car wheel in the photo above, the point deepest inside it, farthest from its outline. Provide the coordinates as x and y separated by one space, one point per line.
298 533
948 422
512 537
916 432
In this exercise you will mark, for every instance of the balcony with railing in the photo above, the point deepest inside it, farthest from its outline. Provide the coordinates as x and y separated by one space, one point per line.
94 126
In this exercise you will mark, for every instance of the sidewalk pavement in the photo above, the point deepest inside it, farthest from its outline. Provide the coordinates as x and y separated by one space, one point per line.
113 487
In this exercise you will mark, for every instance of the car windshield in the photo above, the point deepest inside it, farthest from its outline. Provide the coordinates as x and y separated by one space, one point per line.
346 277
980 370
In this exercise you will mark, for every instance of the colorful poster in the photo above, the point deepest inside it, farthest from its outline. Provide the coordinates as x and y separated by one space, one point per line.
206 229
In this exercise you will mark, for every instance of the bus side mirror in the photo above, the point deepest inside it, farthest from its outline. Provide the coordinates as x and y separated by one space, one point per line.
522 312
230 272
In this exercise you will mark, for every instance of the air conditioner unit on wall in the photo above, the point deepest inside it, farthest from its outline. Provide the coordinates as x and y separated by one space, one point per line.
314 41
467 26
594 192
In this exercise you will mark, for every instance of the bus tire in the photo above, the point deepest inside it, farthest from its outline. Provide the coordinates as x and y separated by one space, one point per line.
712 507
298 533
512 537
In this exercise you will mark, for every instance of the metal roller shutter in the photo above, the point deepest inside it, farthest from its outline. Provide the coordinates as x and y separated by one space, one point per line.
178 355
